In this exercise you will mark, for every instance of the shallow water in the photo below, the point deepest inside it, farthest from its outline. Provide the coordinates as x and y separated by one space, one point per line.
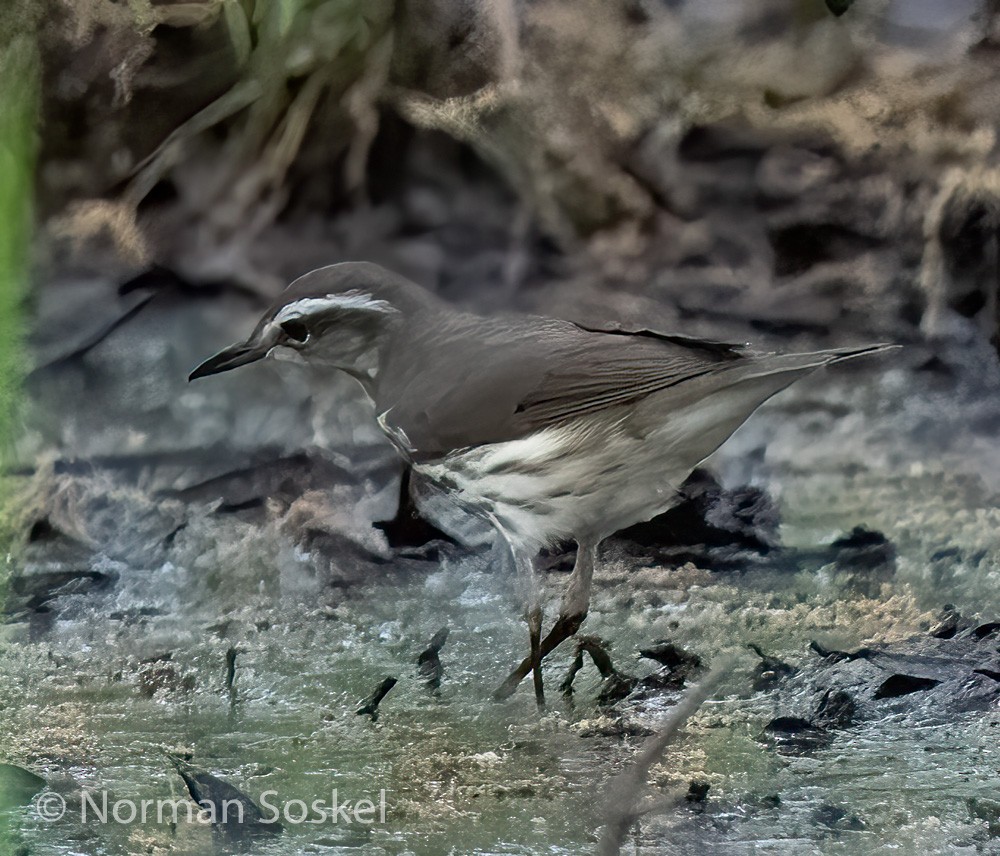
464 775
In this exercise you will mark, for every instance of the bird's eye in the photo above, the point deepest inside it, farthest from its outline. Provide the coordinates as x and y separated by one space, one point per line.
295 330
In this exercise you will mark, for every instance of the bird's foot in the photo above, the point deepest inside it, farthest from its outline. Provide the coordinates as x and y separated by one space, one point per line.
565 627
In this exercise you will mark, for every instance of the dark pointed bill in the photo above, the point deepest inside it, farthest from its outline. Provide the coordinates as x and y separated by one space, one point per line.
230 358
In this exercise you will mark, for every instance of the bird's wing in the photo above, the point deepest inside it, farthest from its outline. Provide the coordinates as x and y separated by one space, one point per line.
730 350
611 366
473 381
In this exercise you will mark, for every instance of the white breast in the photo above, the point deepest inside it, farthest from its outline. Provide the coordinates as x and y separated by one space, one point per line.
588 479
582 481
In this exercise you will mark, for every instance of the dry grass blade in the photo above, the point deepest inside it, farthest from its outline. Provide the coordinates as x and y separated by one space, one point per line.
361 101
155 166
459 116
287 140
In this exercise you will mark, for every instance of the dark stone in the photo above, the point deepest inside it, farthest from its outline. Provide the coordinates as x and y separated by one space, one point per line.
678 664
934 365
661 681
89 340
836 710
988 629
789 725
800 246
41 530
789 327
237 817
986 810
249 487
948 623
231 653
697 794
721 142
160 279
840 656
159 674
561 558
135 616
347 560
617 727
863 548
835 817
868 557
35 591
993 674
899 685
839 7
670 655
970 304
792 735
713 527
967 225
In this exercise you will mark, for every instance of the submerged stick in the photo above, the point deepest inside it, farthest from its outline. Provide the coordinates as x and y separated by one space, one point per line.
231 675
429 663
369 707
624 804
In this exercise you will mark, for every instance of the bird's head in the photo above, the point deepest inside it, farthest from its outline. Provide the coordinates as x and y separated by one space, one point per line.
337 316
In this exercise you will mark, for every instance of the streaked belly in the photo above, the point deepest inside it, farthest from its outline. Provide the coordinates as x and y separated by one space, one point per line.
565 483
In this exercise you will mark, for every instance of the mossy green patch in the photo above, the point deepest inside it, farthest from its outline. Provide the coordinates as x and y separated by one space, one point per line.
19 78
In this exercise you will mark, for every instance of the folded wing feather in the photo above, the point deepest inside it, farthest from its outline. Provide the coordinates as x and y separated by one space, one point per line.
490 381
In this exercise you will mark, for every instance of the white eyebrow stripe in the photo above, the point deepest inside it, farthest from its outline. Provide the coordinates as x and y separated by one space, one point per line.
347 300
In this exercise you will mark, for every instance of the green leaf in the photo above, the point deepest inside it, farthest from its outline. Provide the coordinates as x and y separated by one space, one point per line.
18 786
239 30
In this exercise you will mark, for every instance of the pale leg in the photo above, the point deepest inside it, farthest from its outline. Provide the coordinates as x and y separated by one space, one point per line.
534 616
528 579
572 612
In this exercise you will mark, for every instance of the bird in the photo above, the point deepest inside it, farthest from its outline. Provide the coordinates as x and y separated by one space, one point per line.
550 430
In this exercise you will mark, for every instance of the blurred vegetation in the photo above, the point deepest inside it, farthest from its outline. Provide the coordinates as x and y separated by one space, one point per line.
19 79
256 74
240 110
236 106
19 75
19 70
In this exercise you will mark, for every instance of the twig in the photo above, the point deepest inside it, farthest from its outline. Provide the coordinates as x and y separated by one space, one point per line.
369 707
231 675
624 804
429 663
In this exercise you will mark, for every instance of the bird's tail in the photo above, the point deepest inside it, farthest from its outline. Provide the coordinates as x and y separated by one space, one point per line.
705 411
772 364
